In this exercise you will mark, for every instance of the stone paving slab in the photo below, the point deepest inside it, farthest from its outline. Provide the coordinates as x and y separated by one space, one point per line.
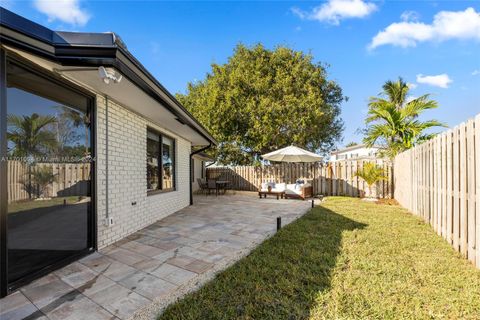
138 276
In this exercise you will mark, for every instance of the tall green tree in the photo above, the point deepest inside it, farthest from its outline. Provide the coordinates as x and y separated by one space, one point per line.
262 100
393 120
30 135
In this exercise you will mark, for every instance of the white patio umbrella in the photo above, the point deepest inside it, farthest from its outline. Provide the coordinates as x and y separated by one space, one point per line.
292 154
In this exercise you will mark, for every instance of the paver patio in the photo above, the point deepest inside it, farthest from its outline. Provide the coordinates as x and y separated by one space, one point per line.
138 276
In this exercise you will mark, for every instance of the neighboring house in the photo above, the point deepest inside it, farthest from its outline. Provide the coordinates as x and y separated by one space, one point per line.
112 154
359 151
199 170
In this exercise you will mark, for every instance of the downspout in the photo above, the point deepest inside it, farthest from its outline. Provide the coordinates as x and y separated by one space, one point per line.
107 213
191 158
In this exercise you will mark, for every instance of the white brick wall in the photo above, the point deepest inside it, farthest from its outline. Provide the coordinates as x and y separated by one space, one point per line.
127 174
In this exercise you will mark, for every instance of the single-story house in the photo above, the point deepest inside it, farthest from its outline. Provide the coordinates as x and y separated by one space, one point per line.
199 168
93 147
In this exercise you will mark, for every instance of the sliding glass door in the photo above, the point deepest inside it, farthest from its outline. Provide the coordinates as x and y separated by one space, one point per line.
49 214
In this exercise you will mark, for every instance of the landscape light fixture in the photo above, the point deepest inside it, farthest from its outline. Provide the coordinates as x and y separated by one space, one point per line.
107 74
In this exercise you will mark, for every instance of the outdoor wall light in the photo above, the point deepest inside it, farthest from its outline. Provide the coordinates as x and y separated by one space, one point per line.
107 74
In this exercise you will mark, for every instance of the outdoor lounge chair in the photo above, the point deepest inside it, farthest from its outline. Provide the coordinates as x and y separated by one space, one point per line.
298 191
291 190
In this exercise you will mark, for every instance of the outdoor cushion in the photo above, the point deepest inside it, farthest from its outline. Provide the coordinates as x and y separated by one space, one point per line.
280 186
292 189
276 187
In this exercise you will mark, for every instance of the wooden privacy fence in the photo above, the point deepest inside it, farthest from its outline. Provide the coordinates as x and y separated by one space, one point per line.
334 179
70 179
440 181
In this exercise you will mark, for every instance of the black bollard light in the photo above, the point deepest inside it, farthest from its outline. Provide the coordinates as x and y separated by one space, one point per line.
313 203
279 223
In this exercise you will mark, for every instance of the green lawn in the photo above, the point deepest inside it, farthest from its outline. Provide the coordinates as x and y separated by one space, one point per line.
347 259
34 204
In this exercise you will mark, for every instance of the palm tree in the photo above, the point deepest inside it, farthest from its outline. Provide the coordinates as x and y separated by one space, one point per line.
392 119
29 134
371 174
42 178
31 138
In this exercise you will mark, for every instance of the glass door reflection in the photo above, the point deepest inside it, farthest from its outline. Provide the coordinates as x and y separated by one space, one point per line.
49 172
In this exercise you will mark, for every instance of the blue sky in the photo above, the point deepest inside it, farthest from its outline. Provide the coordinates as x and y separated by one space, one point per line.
434 45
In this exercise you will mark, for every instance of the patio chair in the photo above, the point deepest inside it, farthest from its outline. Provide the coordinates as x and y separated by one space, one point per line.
212 185
202 185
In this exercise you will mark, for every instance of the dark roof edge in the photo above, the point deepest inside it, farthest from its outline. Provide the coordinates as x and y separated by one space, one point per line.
95 48
204 156
34 30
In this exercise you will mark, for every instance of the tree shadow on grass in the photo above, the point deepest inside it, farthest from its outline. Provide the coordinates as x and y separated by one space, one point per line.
278 280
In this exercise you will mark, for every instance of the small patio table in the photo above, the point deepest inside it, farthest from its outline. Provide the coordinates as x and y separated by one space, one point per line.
279 194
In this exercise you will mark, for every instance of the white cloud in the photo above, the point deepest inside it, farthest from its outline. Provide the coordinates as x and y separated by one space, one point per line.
475 72
333 11
68 11
441 80
410 16
446 25
412 85
299 13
